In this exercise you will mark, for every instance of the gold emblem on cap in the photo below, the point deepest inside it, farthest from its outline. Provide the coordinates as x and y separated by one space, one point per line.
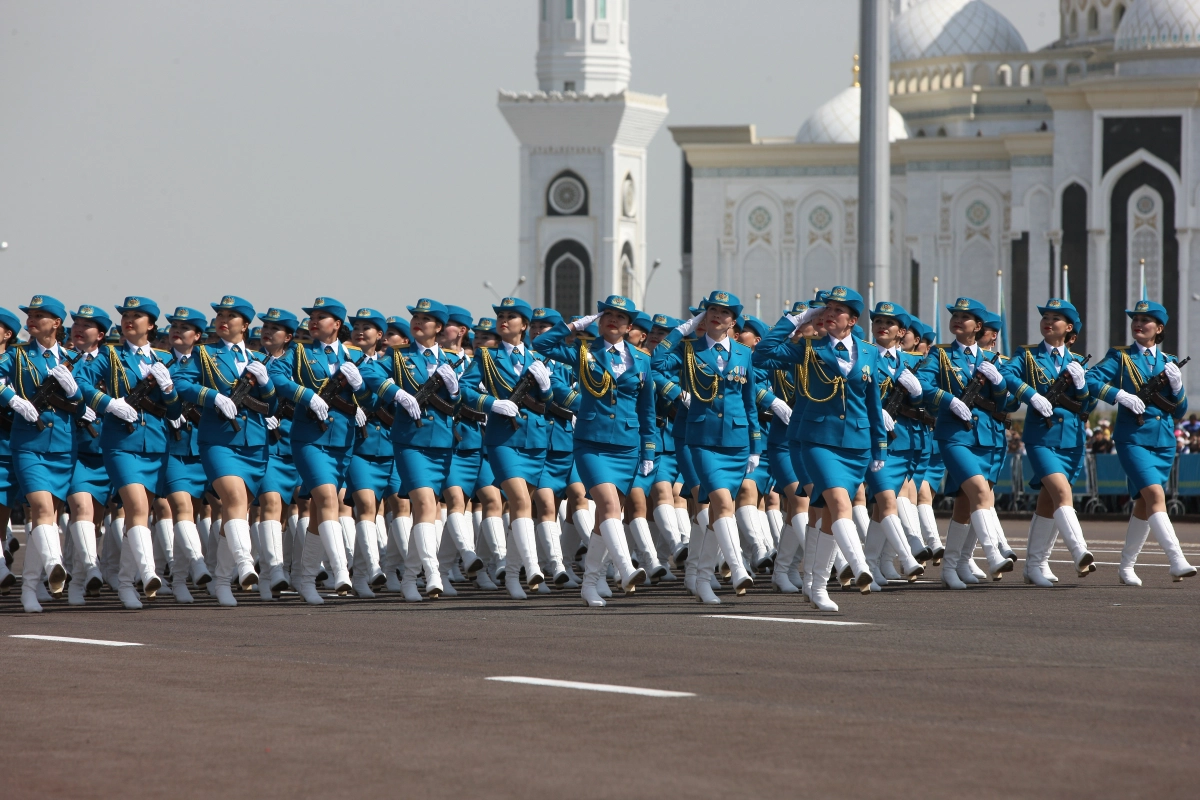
1055 303
508 301
1142 306
886 308
227 300
619 302
273 313
838 291
364 312
181 312
539 312
422 303
720 297
36 301
320 301
86 311
963 303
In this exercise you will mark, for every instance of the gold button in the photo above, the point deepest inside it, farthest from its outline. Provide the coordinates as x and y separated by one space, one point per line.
843 416
143 423
49 424
720 415
612 416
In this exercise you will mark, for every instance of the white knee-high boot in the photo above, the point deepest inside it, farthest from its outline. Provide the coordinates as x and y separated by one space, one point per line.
789 543
825 547
1164 534
464 542
1135 538
667 521
1068 525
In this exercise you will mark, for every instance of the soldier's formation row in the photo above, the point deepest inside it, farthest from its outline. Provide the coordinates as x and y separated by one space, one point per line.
375 452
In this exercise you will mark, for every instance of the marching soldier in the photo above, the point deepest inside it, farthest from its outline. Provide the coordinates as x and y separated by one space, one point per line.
1145 432
9 327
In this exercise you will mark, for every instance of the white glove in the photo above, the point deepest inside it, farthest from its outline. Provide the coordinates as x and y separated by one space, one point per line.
988 370
505 408
162 377
226 407
877 465
646 468
781 410
88 414
1131 401
910 384
319 407
1078 375
177 423
272 423
259 371
67 382
752 464
959 409
1174 377
1041 405
583 322
27 409
689 327
121 410
352 375
408 403
686 398
804 317
360 417
889 424
540 374
449 377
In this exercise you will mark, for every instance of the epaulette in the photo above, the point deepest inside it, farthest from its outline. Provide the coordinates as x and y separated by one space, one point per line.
641 349
355 348
161 352
1031 346
870 344
946 346
1121 347
913 353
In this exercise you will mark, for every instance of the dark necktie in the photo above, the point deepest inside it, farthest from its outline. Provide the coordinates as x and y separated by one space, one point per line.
237 355
614 357
842 352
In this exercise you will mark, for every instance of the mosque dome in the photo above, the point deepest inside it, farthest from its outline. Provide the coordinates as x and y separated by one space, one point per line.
934 28
837 122
1160 24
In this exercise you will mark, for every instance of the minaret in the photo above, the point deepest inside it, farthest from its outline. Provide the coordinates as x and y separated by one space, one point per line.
583 138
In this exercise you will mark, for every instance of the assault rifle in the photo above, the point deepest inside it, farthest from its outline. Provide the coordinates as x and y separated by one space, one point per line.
190 415
520 396
972 399
50 395
1151 394
286 410
428 395
899 405
1057 395
139 397
330 394
239 393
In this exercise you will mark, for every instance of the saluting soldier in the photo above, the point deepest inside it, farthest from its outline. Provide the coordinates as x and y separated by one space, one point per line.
1054 437
323 433
233 439
722 428
43 442
1145 434
614 434
842 433
669 510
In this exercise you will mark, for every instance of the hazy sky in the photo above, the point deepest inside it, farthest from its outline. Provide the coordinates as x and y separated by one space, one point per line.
281 149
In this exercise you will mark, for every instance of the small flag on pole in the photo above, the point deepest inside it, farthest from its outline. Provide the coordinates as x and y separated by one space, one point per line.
1066 285
1002 345
1143 267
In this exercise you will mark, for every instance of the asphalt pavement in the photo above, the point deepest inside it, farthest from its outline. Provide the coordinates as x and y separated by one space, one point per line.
1087 689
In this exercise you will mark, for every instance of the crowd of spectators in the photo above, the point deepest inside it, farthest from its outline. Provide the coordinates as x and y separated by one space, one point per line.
1100 439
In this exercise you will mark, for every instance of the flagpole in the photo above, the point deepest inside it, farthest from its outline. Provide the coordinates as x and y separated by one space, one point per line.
1003 343
1143 265
937 314
1066 285
871 294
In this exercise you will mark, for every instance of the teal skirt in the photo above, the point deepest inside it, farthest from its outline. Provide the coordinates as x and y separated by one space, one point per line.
834 468
600 462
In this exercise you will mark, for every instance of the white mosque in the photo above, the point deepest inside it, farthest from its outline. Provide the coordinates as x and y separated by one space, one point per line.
1084 153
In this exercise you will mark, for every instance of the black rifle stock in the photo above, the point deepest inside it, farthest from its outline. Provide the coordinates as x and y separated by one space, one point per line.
1057 395
329 393
50 395
1151 394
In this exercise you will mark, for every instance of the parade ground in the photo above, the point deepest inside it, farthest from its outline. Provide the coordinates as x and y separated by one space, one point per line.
1086 690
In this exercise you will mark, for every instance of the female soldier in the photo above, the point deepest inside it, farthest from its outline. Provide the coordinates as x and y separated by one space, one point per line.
233 438
614 436
422 437
372 474
1054 442
90 485
398 510
723 433
282 478
517 435
43 443
837 378
967 443
185 479
669 510
9 326
1144 433
906 435
323 435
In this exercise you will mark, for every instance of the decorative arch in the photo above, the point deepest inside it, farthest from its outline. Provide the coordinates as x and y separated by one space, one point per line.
760 223
1143 181
568 278
1056 221
1102 199
628 271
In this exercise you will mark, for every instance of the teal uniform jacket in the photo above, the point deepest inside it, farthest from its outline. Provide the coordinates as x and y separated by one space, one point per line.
375 438
944 376
724 405
188 443
117 369
22 374
564 391
1126 369
490 378
787 376
303 375
613 410
841 411
86 444
407 369
910 434
667 408
213 371
468 434
1031 372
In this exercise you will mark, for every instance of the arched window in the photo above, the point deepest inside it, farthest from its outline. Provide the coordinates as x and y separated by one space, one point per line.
1004 75
570 9
567 196
628 274
568 278
924 83
1026 75
1118 15
1074 20
1093 20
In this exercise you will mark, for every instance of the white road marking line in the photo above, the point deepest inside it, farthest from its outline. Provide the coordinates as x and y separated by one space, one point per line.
785 619
73 640
590 687
1140 564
